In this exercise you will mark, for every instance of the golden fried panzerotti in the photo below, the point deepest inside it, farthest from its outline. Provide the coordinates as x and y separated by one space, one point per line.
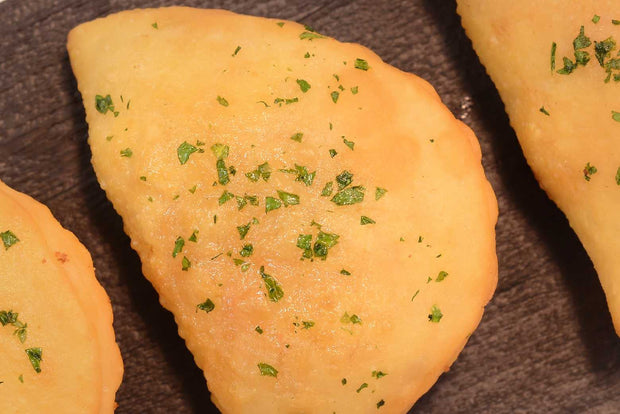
56 336
318 222
559 76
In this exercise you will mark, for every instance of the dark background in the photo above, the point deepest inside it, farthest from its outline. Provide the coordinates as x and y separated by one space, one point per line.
546 343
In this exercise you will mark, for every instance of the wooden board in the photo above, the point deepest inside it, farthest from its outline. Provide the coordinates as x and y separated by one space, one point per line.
545 344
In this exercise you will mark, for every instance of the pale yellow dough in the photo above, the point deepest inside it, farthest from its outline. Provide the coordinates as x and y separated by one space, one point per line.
47 278
514 41
438 214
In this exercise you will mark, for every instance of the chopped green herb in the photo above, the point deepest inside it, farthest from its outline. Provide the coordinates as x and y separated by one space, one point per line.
344 179
380 192
262 171
286 101
435 315
354 90
345 272
581 41
344 381
420 238
280 24
127 152
348 196
103 105
179 243
225 197
348 143
441 276
553 48
310 36
378 374
588 171
21 378
206 306
328 189
109 137
596 19
335 95
193 189
272 204
222 172
361 64
247 250
307 55
366 220
274 290
186 264
544 111
332 153
303 85
222 101
267 370
142 178
35 357
364 385
243 230
185 150
380 404
194 237
155 26
615 22
324 242
259 330
603 49
415 294
297 136
287 198
568 68
615 116
236 51
618 176
8 239
307 324
302 174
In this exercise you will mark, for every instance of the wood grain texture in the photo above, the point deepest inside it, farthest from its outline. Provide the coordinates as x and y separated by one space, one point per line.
546 343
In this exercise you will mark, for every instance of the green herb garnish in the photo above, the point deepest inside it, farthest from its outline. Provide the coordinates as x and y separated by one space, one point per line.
596 19
179 243
364 385
103 105
335 95
236 51
303 85
288 199
259 330
274 290
380 404
361 64
603 49
324 242
332 153
415 294
262 171
344 179
222 101
155 26
307 324
297 136
243 230
310 36
435 315
354 90
302 174
366 220
544 111
8 239
225 197
267 370
378 374
441 276
348 196
272 204
615 116
348 143
127 152
185 150
247 250
588 171
185 264
35 357
568 68
206 306
328 189
553 48
379 192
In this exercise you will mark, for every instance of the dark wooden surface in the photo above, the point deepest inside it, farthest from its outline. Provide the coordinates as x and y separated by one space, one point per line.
546 343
